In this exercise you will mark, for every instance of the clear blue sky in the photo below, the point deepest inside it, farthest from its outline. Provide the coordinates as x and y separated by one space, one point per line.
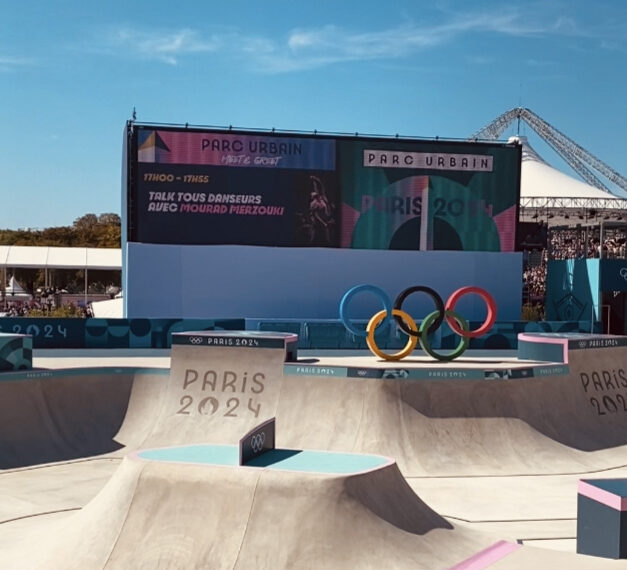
71 73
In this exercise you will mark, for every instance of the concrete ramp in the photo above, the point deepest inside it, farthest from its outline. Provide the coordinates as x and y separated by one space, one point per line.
221 385
60 415
213 394
157 514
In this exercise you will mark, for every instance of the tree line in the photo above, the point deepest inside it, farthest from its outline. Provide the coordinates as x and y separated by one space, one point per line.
90 230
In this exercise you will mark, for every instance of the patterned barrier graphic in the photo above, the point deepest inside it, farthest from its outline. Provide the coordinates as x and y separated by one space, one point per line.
109 333
16 352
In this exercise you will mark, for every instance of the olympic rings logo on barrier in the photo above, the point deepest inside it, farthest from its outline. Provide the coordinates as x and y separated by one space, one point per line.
257 441
443 311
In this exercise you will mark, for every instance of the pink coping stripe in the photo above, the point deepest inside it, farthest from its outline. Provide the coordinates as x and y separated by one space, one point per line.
547 340
487 556
601 496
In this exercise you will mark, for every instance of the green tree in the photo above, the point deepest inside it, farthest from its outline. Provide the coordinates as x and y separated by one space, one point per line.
90 230
109 219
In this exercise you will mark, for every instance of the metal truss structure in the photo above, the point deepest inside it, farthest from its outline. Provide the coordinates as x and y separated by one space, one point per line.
599 204
588 166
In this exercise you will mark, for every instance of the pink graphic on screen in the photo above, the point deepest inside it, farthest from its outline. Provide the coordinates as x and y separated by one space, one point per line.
505 223
236 150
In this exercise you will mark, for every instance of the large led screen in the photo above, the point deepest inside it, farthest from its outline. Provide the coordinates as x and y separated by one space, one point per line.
274 189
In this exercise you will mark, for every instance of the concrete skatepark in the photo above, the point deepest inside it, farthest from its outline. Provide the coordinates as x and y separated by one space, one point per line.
476 462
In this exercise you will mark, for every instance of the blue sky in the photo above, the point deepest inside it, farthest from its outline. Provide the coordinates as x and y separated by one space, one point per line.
71 73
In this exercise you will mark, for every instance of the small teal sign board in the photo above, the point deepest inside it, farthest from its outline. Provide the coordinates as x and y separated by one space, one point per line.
602 517
257 441
613 275
240 339
16 352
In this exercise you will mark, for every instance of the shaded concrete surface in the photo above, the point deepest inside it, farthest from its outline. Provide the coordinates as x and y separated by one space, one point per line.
492 459
161 515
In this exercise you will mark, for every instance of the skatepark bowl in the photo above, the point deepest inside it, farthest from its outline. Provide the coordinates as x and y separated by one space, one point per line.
131 459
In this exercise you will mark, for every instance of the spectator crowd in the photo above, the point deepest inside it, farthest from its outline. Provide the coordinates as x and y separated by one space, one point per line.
571 243
574 244
38 309
44 303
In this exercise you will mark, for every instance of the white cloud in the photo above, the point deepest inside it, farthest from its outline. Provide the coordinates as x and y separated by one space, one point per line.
167 47
11 63
308 48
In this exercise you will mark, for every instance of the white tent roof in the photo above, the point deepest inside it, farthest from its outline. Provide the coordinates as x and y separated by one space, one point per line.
14 286
15 292
539 180
60 257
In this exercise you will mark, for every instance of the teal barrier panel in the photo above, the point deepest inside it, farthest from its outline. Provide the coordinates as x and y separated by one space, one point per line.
157 333
47 333
16 352
504 335
109 333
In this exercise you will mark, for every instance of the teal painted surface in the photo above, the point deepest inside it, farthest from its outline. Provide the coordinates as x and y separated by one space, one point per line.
281 459
319 462
593 268
614 486
573 290
547 352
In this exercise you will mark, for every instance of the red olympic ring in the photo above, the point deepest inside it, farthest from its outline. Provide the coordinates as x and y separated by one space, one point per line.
490 318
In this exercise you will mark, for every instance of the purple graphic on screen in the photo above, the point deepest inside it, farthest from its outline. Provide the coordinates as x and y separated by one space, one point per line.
220 149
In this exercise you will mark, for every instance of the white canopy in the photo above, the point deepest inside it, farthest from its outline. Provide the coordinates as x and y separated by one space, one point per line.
60 257
538 179
542 186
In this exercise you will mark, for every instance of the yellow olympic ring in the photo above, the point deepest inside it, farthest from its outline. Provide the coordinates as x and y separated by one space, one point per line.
411 342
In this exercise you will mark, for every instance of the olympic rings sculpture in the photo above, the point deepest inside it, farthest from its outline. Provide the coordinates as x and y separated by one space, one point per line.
443 311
